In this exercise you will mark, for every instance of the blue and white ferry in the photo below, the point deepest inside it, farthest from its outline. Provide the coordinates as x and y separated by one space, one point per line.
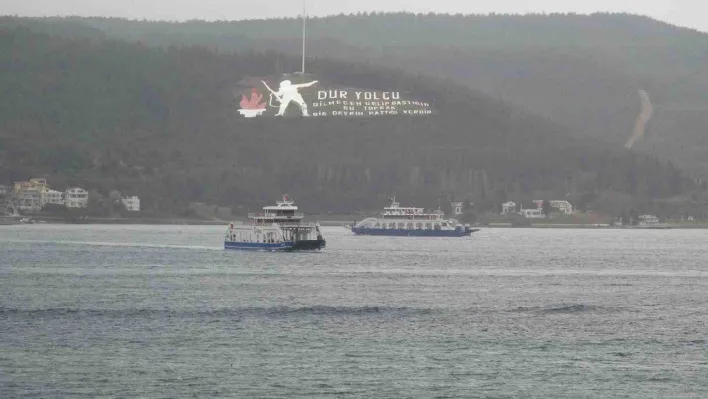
396 220
277 228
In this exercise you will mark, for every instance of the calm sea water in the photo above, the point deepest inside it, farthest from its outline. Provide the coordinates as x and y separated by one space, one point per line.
155 311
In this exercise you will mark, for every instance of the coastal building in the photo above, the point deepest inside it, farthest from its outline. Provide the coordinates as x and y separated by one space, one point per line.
38 184
508 207
29 200
532 213
132 204
21 186
76 198
457 208
648 220
560 206
50 196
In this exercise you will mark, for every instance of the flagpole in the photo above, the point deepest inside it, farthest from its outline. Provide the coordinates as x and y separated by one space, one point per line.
304 32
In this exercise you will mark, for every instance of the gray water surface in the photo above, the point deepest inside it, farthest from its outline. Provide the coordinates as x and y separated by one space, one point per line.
163 311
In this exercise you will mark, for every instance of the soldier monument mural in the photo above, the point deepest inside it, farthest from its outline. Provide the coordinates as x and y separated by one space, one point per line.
301 96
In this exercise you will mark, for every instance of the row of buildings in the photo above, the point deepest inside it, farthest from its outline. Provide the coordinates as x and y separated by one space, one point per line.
509 208
33 195
561 206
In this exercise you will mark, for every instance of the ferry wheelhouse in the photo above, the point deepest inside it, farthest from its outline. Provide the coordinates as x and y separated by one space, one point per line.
396 220
277 228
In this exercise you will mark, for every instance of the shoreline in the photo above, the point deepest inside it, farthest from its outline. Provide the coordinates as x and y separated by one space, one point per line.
323 220
323 223
106 221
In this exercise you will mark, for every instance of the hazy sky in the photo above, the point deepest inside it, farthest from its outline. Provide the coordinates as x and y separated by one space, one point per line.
690 13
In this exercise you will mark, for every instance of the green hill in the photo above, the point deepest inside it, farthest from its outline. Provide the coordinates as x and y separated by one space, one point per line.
163 123
581 71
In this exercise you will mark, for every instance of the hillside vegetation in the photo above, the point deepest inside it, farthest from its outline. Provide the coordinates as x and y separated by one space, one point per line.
162 123
581 71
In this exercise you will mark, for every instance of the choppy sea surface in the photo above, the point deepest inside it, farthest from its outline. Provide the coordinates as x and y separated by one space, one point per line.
164 312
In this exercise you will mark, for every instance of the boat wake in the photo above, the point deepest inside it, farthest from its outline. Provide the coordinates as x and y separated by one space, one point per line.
116 244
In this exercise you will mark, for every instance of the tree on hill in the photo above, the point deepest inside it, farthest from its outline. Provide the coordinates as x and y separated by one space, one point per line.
447 207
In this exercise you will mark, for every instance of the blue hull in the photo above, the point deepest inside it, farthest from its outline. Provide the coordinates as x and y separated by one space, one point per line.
413 233
258 246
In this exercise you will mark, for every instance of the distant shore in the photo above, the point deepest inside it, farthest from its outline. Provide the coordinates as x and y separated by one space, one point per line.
324 220
598 226
97 220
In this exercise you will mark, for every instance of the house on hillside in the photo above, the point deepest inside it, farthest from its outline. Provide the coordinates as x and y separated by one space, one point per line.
50 196
28 194
560 206
457 208
132 204
76 198
648 220
29 200
531 213
38 184
508 207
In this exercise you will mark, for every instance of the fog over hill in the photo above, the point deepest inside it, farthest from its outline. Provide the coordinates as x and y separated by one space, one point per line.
164 123
582 71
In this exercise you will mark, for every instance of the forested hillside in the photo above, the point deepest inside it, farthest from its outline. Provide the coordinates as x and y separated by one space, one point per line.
581 71
163 123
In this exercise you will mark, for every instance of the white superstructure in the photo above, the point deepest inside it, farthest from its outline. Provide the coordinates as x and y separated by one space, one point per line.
411 221
278 227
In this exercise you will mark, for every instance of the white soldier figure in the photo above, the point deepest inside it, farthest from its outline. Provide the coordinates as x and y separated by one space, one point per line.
289 92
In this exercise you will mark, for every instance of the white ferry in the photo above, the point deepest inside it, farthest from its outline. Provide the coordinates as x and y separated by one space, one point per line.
396 220
651 222
277 228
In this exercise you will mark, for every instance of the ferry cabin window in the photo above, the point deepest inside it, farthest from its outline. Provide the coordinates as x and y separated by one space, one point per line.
410 226
429 226
419 226
392 225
